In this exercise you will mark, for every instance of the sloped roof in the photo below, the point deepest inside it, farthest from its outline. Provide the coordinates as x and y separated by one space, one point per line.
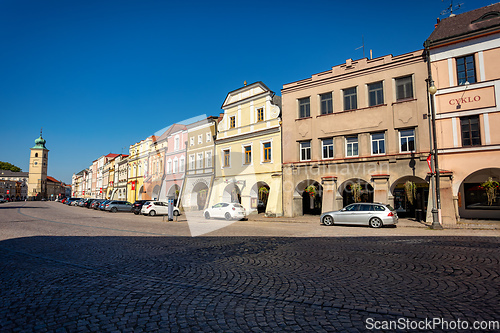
52 179
478 21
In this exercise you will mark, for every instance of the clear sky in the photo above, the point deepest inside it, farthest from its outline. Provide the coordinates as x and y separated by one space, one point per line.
100 75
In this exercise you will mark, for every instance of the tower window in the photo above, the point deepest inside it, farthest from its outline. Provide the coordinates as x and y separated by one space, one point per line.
36 154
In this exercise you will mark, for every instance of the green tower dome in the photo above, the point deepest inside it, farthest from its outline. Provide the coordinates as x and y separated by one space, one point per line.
40 142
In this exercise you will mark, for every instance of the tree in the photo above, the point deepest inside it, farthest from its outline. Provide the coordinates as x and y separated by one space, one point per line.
8 166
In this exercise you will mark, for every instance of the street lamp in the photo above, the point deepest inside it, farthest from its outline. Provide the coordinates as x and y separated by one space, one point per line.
431 88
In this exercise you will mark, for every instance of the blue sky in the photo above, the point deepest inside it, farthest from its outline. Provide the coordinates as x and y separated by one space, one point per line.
99 76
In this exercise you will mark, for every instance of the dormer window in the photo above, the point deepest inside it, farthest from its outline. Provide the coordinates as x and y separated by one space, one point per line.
487 16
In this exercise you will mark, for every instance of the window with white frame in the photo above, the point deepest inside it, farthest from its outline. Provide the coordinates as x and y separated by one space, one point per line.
199 161
305 151
226 158
327 148
350 99
260 114
304 107
191 162
169 166
200 139
404 88
326 102
176 143
407 140
176 166
191 141
181 164
378 143
376 93
208 156
247 151
266 152
209 137
351 146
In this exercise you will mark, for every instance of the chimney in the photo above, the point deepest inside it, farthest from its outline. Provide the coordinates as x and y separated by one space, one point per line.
438 20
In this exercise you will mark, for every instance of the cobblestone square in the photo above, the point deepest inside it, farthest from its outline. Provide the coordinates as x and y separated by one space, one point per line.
69 269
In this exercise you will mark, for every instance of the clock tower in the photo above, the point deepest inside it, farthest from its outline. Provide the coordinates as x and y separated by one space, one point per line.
37 183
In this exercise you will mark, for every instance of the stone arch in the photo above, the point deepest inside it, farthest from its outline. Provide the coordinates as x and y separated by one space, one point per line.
174 192
141 191
472 197
156 192
259 193
199 195
307 202
345 190
232 193
408 206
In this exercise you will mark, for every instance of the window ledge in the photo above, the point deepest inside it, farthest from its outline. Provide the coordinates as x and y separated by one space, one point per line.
404 101
303 118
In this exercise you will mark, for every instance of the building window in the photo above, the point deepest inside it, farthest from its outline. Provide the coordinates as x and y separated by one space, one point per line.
407 140
209 137
404 88
304 107
327 148
176 165
248 154
267 151
200 139
466 71
200 161
305 151
181 164
260 114
351 146
376 93
470 131
378 144
227 157
209 159
232 122
177 143
169 167
326 102
350 99
191 162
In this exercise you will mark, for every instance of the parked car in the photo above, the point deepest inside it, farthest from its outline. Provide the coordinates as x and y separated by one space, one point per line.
88 202
227 210
103 203
114 206
373 214
2 200
153 208
137 206
95 204
70 200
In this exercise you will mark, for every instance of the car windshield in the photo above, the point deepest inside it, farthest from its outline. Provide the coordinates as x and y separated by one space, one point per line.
238 205
390 207
351 208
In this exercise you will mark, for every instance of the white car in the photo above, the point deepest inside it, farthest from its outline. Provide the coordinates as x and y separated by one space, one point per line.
227 210
153 208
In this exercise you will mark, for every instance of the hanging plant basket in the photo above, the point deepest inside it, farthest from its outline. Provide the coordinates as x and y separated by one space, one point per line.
491 187
356 192
311 189
410 190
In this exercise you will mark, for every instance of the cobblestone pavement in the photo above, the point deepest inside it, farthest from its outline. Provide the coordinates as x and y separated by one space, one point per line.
68 269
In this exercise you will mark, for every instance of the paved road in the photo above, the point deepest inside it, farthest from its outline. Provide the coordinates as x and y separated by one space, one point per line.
68 269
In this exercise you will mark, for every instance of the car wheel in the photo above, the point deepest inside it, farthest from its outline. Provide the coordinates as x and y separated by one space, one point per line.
176 213
227 216
328 220
376 222
152 213
207 216
114 210
136 213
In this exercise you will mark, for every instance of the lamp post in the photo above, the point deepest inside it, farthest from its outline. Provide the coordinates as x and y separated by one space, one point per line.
431 88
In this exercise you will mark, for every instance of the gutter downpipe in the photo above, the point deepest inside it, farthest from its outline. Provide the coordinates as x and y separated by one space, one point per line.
436 209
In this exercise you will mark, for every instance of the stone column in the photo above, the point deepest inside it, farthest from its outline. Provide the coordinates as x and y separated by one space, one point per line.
381 188
448 216
329 184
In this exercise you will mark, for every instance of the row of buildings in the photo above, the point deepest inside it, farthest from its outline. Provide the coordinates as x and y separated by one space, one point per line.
363 130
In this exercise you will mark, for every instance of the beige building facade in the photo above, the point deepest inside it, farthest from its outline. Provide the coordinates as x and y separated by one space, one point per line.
37 182
357 133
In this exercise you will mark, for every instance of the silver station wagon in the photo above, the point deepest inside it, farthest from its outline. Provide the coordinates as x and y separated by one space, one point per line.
373 214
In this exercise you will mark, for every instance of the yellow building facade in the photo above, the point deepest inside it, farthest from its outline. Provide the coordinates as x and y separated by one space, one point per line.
248 151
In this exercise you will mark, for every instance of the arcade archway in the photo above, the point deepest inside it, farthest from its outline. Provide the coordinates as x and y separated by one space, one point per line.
199 196
411 196
356 190
311 193
473 200
232 193
259 195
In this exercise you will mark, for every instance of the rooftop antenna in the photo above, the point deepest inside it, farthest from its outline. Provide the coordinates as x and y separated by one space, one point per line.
451 8
362 46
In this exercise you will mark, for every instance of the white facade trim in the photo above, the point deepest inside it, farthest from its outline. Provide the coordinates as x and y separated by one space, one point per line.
454 131
486 126
466 113
473 149
467 47
481 66
451 78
